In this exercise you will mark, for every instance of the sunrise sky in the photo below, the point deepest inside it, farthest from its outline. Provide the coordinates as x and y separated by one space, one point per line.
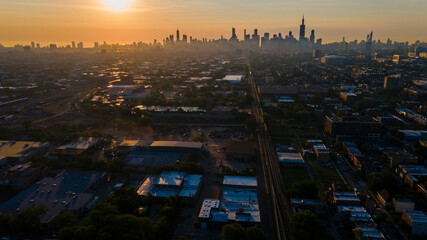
126 21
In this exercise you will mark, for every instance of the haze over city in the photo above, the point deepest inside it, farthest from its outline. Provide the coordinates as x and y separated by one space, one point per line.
127 21
213 120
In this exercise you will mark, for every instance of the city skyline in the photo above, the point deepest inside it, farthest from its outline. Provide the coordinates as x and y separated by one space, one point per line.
95 21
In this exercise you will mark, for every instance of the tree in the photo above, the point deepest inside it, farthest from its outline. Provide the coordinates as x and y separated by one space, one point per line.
304 189
233 231
146 120
128 226
358 235
382 180
66 219
255 233
251 125
66 233
5 222
28 221
306 225
126 200
27 125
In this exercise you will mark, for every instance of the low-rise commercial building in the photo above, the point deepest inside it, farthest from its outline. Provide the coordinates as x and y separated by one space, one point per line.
68 191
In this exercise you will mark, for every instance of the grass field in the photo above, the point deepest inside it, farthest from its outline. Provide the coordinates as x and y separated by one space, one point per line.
326 175
293 175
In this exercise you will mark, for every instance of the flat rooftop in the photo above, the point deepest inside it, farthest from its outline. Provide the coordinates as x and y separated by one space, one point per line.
239 146
416 216
233 78
66 191
135 143
241 181
81 143
184 185
168 178
19 148
290 157
152 159
190 185
351 209
147 186
178 144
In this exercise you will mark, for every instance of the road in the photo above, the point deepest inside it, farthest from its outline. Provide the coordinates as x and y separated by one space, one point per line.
371 204
275 210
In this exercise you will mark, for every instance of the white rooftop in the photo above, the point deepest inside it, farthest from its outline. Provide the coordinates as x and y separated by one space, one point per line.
170 178
240 181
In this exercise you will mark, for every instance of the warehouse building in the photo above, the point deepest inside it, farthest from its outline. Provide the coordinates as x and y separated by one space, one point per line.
68 191
239 203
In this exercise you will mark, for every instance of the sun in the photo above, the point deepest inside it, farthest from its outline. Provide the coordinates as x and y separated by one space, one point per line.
117 5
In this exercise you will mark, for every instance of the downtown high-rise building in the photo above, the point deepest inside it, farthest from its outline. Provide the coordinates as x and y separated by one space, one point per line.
177 35
312 37
302 30
233 35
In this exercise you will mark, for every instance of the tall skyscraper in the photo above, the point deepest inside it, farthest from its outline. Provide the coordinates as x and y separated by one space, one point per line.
33 45
177 35
73 44
233 35
312 37
369 42
247 37
255 37
302 30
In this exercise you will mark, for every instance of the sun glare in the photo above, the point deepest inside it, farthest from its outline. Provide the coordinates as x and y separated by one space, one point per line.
117 5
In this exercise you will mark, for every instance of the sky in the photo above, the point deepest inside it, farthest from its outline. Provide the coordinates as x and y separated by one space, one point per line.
127 21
